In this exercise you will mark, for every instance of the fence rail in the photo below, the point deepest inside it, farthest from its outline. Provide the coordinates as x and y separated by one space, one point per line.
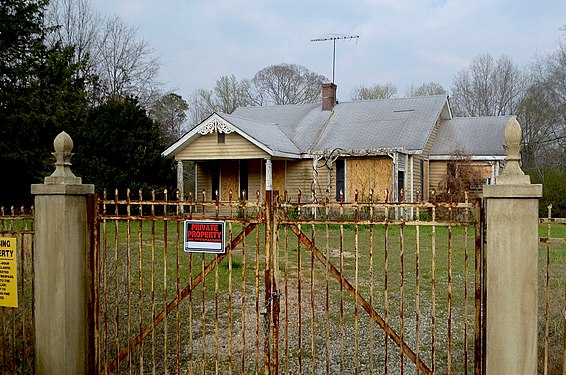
552 296
317 286
16 323
377 285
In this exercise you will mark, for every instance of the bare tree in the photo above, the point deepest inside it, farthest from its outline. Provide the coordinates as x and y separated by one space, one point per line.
227 95
125 65
287 84
109 49
462 177
276 84
488 88
230 94
543 112
76 24
377 91
425 89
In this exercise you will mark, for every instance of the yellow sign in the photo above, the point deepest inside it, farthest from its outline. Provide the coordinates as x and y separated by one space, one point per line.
8 273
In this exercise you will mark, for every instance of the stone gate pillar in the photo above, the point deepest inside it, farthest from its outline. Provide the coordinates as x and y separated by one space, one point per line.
61 268
512 259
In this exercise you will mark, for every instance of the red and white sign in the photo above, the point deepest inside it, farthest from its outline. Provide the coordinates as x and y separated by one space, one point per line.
203 236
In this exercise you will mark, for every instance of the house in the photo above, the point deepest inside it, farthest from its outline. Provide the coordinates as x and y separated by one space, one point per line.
379 145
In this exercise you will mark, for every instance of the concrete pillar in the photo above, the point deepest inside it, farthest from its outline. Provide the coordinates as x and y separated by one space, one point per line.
512 258
62 283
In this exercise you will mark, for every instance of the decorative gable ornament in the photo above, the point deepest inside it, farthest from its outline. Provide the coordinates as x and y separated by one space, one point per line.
216 126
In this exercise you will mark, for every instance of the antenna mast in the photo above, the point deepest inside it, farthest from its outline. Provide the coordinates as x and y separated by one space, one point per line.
334 39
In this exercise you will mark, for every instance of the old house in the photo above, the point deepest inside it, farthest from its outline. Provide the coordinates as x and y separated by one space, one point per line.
379 145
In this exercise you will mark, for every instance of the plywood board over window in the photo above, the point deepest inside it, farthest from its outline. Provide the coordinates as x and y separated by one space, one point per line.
278 168
229 179
365 174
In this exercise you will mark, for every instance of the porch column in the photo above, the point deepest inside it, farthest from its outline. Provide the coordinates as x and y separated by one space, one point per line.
512 258
180 179
63 266
268 175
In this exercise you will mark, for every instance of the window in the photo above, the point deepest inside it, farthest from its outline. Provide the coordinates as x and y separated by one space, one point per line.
340 178
243 177
215 176
221 137
400 183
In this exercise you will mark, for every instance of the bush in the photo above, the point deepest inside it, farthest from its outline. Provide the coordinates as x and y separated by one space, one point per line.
553 190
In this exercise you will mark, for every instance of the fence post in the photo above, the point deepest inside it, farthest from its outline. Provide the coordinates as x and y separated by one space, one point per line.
63 342
512 258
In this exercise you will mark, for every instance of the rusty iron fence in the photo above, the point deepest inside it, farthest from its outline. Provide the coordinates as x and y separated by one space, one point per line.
16 323
552 295
305 286
328 287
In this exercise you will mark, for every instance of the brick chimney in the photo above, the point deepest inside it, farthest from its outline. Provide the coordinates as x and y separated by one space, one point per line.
328 96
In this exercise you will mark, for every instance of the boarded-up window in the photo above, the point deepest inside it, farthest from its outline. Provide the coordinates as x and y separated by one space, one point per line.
367 174
278 170
229 179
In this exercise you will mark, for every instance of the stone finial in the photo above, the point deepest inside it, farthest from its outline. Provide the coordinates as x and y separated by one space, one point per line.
63 145
512 174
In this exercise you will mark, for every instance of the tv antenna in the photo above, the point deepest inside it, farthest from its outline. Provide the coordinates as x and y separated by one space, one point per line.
334 39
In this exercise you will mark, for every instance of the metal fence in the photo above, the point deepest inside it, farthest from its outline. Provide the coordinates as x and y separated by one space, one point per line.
552 295
16 323
304 287
163 310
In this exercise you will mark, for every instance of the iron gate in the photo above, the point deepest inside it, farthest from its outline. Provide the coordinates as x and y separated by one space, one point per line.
303 287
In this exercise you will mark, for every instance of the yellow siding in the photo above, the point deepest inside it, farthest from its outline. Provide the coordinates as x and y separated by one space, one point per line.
416 159
432 138
323 185
299 177
364 174
204 182
206 147
255 179
437 172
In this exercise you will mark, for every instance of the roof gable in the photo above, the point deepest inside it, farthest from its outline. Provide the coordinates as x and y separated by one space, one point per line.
227 124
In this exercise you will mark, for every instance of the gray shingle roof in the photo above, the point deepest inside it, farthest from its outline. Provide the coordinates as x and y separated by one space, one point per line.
268 134
373 126
482 136
361 125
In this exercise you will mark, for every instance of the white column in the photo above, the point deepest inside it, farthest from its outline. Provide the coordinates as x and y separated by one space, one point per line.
180 178
268 175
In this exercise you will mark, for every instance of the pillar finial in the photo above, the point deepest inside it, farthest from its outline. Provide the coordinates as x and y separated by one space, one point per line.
63 145
513 174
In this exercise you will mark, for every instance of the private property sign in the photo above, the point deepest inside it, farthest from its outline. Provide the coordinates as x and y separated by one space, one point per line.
203 236
8 273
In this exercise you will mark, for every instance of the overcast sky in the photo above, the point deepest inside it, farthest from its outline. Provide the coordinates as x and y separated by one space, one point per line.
400 41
